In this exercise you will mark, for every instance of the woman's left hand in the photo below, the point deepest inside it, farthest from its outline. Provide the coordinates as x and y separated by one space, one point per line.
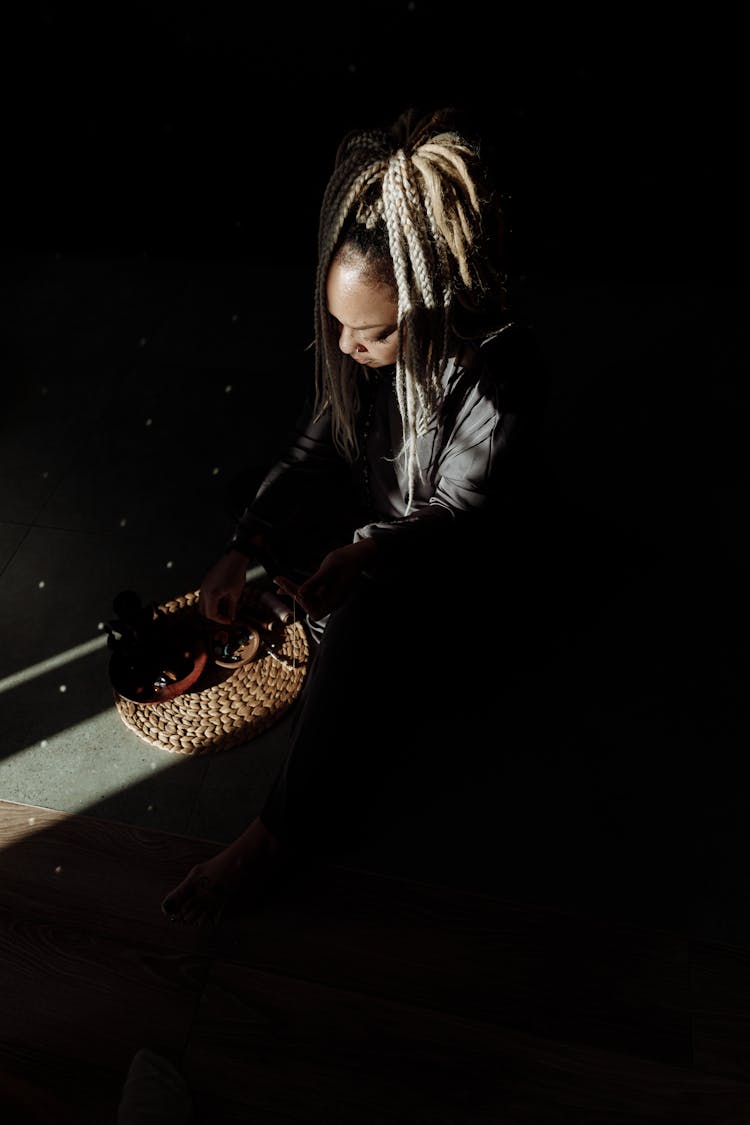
333 581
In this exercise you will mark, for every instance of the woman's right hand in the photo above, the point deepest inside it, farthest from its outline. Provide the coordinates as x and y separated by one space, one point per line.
222 587
333 581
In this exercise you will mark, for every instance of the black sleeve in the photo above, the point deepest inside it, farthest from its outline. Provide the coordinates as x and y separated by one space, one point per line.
305 488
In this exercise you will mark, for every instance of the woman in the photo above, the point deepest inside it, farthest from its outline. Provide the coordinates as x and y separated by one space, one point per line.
392 513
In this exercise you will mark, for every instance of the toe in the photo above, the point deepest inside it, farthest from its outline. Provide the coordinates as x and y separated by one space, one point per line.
174 903
196 899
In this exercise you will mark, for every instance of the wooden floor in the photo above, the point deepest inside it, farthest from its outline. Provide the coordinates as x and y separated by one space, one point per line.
348 998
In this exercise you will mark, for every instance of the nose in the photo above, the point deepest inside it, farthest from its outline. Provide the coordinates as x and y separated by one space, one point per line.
348 343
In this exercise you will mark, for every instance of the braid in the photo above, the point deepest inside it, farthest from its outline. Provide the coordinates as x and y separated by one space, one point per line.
414 201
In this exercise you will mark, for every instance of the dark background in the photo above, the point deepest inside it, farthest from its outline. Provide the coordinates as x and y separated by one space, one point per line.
208 128
201 136
206 131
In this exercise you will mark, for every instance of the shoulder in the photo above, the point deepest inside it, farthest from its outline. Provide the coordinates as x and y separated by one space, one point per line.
509 361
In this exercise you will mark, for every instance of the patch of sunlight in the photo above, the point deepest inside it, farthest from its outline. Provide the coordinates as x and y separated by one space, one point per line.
254 573
82 765
52 662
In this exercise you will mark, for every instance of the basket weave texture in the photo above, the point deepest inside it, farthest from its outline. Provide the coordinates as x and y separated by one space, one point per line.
226 708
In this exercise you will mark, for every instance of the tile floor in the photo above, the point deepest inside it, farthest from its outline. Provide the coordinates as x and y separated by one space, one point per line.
136 388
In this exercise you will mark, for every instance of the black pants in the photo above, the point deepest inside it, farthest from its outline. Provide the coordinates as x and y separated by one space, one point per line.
405 674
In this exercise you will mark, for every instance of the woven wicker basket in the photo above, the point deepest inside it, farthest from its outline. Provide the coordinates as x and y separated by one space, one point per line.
225 708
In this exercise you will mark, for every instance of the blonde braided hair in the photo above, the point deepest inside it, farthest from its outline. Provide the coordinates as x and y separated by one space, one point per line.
415 204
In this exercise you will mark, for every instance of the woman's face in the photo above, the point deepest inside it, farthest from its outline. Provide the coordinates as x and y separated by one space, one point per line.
366 313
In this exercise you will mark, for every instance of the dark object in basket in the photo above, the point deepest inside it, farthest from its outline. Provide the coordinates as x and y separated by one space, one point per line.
155 655
235 644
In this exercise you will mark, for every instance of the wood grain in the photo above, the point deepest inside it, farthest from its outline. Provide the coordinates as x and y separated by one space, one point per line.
721 995
537 969
300 1052
349 997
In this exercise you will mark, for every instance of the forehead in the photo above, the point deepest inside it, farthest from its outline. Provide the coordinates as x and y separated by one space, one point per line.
355 299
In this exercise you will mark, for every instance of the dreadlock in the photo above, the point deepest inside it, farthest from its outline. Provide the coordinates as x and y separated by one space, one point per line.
414 201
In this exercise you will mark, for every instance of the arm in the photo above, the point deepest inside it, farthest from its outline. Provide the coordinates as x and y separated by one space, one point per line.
222 587
308 465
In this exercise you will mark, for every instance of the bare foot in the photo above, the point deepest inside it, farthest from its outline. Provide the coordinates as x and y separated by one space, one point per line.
244 866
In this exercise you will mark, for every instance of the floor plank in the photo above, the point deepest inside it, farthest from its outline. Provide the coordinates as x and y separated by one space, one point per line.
537 969
721 994
351 994
41 1088
100 875
298 1052
88 998
540 970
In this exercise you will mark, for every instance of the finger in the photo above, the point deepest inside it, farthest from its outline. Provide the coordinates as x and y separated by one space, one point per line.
227 607
214 614
174 913
193 915
172 903
311 595
286 586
